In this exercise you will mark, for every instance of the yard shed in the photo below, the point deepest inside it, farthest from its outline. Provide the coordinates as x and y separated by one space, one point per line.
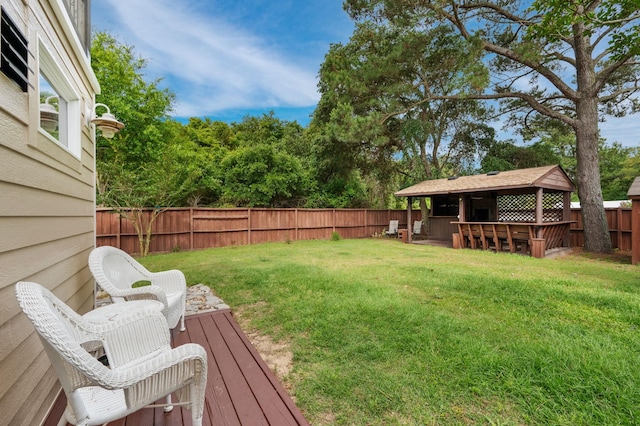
634 196
526 210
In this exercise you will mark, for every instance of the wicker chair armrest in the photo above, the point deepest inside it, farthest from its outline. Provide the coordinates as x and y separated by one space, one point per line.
140 293
170 281
158 371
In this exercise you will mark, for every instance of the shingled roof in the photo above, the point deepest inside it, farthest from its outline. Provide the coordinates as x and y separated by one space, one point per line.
546 177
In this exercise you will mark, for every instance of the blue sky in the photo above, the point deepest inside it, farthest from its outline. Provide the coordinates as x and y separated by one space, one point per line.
226 59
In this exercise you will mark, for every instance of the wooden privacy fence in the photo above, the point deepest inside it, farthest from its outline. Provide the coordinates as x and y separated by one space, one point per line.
619 220
199 228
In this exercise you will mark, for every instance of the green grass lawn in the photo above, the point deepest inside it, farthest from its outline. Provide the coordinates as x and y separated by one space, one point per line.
384 333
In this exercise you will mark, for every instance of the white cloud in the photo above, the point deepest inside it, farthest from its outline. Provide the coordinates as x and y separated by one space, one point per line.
217 66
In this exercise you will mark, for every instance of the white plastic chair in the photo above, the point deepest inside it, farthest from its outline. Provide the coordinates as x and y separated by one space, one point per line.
115 272
393 228
142 366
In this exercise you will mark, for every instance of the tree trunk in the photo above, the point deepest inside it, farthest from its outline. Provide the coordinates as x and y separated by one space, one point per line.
594 219
424 210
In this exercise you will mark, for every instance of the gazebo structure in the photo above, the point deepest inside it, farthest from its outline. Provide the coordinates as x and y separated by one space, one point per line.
526 210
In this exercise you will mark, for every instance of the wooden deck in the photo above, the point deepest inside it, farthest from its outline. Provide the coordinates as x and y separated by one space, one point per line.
241 389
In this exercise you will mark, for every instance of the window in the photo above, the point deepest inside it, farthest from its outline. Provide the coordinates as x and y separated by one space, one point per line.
13 50
52 108
60 118
444 205
79 13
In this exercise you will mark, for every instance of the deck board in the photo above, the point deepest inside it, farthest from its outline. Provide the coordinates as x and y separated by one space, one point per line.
241 389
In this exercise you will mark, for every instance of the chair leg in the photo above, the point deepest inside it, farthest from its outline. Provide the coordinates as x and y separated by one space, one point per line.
169 407
182 327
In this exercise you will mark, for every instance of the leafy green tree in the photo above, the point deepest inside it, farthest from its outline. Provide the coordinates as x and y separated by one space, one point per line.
574 61
199 148
208 133
142 106
134 167
258 161
508 156
141 194
348 148
630 168
262 176
266 129
617 170
373 110
195 155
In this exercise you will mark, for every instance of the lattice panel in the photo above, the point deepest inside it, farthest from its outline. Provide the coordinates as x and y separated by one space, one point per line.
552 204
522 207
517 208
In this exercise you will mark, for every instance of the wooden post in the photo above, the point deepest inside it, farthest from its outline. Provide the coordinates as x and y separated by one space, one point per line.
537 247
539 211
118 238
456 240
635 231
366 223
619 227
248 226
566 207
190 228
409 221
334 220
634 195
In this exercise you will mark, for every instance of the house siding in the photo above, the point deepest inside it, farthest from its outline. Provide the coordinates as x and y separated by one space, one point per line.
47 209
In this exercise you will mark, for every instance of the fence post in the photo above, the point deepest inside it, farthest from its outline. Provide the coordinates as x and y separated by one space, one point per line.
619 226
296 230
119 230
249 226
366 223
334 220
190 228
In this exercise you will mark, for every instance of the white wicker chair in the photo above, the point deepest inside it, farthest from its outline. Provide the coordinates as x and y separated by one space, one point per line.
115 272
142 366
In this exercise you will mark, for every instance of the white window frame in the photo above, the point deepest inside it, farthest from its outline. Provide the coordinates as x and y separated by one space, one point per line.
69 120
